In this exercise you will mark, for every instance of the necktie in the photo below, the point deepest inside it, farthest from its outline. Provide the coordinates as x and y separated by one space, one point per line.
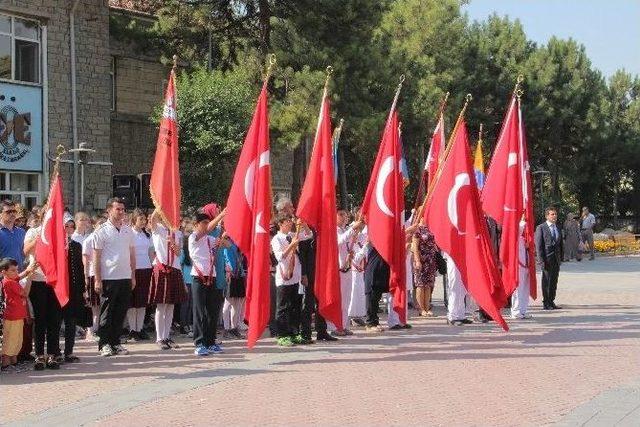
554 232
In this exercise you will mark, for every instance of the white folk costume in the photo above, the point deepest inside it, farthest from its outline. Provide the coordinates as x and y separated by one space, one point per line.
358 302
520 298
455 291
346 238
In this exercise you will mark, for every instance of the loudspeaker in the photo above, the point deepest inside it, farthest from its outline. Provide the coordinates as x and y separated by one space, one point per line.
126 187
144 196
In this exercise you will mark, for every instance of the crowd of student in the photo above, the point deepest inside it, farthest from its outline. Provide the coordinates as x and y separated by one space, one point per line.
125 268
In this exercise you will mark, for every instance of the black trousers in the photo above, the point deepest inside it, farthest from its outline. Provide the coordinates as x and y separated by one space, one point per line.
373 303
70 321
186 309
114 303
273 325
303 311
550 271
286 299
207 302
46 316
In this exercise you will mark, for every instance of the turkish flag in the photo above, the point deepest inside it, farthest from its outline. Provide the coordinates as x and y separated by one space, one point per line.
165 176
249 214
436 150
51 247
383 208
454 216
506 197
317 207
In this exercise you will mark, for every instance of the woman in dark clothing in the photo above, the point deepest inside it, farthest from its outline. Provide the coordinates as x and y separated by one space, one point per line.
75 307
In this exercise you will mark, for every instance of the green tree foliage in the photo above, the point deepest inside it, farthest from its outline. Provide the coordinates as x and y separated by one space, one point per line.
582 128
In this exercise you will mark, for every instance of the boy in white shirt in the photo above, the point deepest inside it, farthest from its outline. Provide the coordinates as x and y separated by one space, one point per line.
288 276
207 298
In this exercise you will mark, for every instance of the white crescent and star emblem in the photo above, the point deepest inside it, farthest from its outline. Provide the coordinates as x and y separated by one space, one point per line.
45 221
512 160
248 177
383 175
248 187
452 201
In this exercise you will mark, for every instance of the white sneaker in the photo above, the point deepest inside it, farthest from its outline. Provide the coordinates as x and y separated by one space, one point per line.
120 349
107 351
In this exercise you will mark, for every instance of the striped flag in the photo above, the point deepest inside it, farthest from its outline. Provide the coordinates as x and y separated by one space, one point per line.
478 165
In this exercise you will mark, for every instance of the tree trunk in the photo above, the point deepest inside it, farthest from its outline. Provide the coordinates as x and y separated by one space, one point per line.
264 14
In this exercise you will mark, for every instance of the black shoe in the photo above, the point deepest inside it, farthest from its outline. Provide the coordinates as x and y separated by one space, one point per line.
547 307
357 322
395 328
555 307
325 337
455 322
171 343
407 326
52 363
163 345
143 335
70 358
466 321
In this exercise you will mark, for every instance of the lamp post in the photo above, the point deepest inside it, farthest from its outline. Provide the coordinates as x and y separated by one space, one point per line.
82 153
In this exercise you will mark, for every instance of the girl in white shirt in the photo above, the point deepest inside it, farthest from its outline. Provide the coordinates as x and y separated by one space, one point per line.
167 285
140 294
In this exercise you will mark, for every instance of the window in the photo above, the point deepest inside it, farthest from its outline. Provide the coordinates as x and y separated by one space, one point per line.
19 49
20 187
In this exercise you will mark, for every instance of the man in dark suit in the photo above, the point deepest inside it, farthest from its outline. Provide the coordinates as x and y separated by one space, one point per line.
548 239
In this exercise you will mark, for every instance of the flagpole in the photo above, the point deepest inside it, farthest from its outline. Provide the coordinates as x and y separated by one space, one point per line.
432 182
396 96
443 105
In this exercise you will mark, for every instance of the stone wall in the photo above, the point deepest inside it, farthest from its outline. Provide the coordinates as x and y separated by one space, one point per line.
92 83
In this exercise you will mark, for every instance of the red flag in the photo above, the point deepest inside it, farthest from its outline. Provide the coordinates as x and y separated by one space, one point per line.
165 176
317 207
51 247
249 214
506 197
436 150
383 207
454 217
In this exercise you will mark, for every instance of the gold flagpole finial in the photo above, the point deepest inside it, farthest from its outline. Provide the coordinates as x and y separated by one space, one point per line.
175 62
518 89
480 133
329 71
271 64
60 150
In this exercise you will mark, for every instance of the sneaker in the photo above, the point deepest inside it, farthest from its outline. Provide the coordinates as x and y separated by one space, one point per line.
227 334
163 344
9 369
52 363
59 359
285 342
348 332
395 327
407 326
298 339
120 349
215 349
107 351
201 351
39 363
339 333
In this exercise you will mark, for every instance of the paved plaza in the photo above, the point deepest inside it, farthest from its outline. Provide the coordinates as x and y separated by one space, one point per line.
576 366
